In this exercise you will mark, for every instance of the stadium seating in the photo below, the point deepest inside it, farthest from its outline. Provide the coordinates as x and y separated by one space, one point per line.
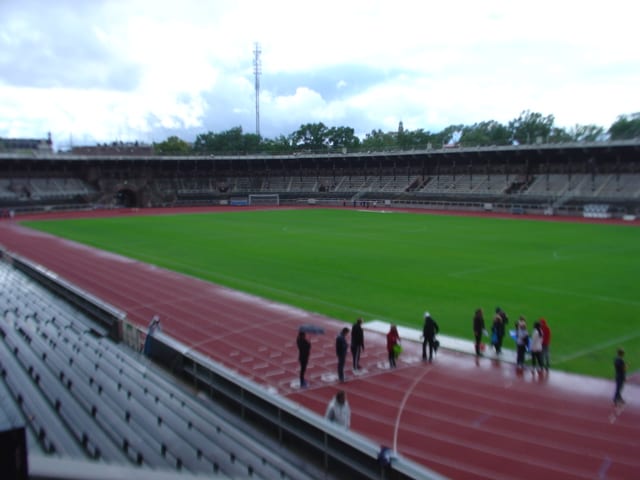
86 397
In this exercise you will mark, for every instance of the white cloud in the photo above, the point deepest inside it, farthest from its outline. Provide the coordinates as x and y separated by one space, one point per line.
114 69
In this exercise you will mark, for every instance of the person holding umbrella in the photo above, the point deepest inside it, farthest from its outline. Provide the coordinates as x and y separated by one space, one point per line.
304 350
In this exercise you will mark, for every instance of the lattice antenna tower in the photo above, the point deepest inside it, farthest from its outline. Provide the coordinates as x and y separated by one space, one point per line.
257 70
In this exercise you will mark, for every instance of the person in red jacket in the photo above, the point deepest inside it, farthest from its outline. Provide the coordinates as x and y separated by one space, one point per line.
393 339
546 341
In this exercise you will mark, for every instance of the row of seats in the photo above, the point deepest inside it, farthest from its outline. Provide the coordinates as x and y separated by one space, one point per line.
543 184
86 397
44 188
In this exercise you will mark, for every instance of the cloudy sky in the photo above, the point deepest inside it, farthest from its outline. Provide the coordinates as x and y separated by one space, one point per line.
103 70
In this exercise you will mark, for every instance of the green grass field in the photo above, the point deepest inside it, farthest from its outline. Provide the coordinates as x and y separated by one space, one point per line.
394 266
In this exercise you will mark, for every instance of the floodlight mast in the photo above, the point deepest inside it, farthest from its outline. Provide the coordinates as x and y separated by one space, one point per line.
257 70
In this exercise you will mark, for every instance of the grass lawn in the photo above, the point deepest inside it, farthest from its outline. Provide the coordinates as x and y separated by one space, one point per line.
394 266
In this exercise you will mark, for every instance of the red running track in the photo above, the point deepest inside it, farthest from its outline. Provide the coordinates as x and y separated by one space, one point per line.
462 417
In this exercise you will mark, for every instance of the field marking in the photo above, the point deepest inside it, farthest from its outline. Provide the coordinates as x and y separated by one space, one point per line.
528 286
604 467
407 394
376 211
599 347
555 256
558 291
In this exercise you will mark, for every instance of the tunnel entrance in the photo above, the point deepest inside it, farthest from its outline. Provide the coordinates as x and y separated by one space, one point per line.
126 198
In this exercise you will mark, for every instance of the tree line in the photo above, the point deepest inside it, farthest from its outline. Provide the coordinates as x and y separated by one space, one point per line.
528 128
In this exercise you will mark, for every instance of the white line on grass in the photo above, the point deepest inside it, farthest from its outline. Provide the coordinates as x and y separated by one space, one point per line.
556 255
599 347
554 291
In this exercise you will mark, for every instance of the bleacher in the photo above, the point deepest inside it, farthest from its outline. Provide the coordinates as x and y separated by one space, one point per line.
84 397
276 184
188 186
6 194
614 185
445 184
45 189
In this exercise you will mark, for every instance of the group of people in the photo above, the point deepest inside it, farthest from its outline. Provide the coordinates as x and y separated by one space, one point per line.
338 410
342 349
429 331
356 345
537 341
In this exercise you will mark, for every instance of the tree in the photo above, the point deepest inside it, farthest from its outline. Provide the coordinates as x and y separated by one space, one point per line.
311 136
416 139
278 146
205 143
231 141
485 133
531 127
450 135
342 137
172 146
625 127
378 140
586 133
558 135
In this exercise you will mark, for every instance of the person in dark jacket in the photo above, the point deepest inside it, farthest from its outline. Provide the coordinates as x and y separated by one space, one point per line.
342 347
497 333
357 343
478 329
304 350
503 316
429 331
620 367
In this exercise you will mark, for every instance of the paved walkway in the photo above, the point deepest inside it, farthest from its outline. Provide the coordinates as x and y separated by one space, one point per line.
446 341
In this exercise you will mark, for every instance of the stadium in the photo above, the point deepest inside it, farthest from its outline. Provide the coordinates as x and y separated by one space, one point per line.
78 396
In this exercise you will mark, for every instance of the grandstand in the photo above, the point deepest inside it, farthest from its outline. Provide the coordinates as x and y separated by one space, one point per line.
535 178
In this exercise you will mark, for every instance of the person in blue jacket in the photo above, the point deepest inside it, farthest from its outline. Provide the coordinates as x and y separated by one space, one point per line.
154 326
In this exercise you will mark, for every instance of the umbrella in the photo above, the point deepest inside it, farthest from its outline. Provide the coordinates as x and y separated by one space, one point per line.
310 329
